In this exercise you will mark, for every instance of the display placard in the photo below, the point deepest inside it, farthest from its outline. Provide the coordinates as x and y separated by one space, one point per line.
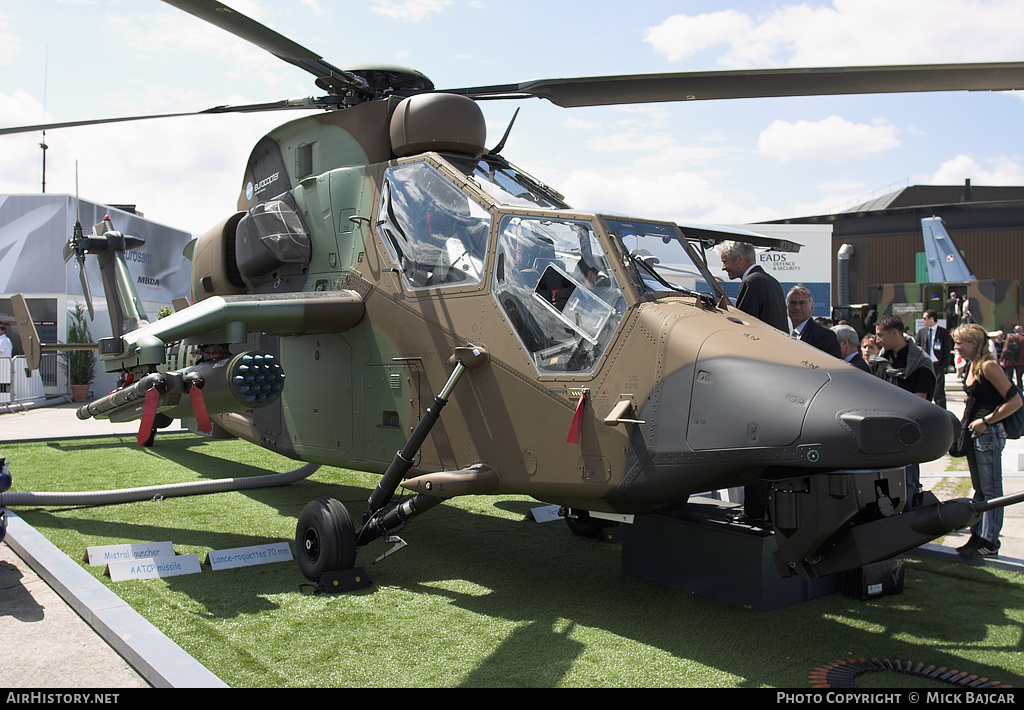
105 554
153 567
246 556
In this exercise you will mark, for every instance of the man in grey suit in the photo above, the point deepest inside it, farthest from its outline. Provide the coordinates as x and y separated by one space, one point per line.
760 294
849 347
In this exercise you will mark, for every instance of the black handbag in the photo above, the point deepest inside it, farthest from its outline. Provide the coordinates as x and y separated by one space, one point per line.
963 440
960 444
1014 424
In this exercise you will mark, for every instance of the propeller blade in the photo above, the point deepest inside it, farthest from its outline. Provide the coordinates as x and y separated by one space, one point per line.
250 30
759 83
27 330
86 291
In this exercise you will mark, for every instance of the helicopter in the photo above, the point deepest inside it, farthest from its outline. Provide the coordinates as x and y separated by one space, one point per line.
390 295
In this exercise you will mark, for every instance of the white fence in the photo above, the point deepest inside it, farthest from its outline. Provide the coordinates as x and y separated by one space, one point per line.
50 380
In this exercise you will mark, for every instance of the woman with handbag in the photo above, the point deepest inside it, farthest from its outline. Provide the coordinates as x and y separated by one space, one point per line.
987 388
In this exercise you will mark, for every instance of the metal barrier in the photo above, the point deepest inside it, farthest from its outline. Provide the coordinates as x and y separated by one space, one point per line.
23 385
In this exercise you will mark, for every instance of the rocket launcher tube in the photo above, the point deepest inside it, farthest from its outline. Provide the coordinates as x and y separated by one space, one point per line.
248 380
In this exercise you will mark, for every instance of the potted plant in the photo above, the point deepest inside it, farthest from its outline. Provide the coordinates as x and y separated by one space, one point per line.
80 364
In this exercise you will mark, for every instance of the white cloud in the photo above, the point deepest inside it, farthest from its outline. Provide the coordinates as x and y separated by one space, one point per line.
1000 171
410 10
184 172
577 124
832 139
636 191
653 188
670 157
848 31
681 36
622 142
10 45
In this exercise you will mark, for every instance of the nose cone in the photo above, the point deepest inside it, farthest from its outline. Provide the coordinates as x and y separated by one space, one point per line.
885 428
751 401
783 405
812 417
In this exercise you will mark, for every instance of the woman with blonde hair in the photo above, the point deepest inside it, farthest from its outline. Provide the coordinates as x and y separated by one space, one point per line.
987 388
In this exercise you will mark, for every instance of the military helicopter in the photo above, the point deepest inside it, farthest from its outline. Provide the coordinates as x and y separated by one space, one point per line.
383 265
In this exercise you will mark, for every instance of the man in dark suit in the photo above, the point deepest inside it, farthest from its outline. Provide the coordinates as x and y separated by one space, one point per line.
951 308
934 340
849 347
760 294
800 305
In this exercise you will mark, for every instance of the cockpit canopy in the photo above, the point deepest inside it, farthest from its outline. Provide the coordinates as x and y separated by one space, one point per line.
563 281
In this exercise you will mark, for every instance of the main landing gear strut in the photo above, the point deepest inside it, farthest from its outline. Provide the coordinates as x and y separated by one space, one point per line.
326 538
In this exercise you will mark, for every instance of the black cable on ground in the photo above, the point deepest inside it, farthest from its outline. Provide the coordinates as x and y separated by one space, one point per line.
843 673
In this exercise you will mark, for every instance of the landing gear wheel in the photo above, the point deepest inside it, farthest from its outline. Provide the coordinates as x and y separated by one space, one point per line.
325 538
586 526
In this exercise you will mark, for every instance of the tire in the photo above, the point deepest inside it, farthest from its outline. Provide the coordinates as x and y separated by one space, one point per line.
325 538
586 526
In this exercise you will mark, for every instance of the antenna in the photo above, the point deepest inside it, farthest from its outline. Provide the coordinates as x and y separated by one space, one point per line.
501 143
42 144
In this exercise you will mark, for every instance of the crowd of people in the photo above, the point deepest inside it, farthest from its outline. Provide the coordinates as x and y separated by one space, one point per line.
988 364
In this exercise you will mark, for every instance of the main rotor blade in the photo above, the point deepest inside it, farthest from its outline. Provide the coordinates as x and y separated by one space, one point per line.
309 103
759 83
222 16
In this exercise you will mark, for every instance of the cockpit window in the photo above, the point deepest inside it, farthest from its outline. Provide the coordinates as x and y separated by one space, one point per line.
507 184
432 230
555 286
659 261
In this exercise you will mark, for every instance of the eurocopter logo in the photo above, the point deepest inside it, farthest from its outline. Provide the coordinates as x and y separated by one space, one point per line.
251 190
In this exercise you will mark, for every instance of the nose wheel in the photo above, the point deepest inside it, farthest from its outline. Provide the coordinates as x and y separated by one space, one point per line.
325 538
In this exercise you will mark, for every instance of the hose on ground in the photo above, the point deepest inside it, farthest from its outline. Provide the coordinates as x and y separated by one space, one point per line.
170 490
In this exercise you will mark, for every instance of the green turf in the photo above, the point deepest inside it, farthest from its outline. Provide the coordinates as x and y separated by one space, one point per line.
482 596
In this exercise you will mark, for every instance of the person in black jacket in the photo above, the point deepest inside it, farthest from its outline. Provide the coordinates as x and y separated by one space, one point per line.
760 294
800 305
907 366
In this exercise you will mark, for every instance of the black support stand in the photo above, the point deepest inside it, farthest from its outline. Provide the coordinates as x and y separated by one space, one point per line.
700 549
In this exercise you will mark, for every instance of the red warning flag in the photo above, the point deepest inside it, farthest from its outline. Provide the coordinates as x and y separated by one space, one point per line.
199 409
148 416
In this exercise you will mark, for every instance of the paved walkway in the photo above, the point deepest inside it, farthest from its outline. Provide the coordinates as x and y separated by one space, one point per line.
62 628
48 644
932 473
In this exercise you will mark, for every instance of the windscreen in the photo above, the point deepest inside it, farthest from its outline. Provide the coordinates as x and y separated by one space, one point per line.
557 290
508 184
659 260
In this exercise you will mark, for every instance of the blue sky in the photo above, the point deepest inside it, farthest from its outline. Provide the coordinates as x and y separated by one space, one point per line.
715 162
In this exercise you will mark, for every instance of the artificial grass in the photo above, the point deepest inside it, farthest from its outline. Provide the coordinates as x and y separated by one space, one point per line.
482 596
